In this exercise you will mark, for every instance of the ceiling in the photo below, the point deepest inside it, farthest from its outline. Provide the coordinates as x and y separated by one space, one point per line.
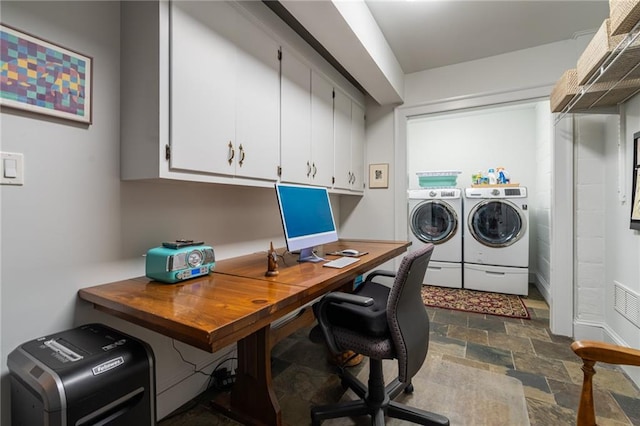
426 34
375 43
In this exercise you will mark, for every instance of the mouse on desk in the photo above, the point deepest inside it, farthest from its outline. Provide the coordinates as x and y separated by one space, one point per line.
349 252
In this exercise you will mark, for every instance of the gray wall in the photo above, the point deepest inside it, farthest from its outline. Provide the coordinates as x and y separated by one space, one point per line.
75 224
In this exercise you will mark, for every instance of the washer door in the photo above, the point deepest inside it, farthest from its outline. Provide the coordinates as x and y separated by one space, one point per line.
496 223
434 222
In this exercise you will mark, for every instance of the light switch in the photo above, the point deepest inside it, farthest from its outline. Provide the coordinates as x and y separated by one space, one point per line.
12 168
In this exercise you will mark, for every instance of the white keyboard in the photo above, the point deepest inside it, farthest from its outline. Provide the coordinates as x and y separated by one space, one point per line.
341 262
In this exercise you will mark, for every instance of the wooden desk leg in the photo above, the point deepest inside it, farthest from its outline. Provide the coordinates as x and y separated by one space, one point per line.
253 400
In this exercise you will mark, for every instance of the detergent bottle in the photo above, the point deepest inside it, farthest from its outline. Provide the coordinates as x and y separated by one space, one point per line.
503 176
492 177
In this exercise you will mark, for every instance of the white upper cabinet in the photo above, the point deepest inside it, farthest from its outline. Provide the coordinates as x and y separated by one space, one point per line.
349 143
306 146
358 173
321 162
224 92
342 140
258 103
205 97
295 114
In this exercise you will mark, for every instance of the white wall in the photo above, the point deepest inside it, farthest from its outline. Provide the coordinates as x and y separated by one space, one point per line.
540 214
475 140
622 245
607 252
589 143
74 224
528 68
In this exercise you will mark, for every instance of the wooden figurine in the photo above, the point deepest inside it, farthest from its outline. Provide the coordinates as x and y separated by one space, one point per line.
272 262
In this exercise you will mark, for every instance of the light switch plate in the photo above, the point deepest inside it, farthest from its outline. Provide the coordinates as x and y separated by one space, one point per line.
19 168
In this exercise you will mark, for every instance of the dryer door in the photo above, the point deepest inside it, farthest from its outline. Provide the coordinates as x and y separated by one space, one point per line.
434 221
496 223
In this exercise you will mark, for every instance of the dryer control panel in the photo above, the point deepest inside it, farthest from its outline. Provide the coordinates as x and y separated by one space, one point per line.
496 192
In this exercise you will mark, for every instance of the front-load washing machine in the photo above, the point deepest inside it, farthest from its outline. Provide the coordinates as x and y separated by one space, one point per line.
496 240
435 216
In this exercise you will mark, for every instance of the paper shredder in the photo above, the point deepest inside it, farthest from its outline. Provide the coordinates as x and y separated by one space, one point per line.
89 375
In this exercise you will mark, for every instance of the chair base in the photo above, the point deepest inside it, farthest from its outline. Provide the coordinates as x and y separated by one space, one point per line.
376 401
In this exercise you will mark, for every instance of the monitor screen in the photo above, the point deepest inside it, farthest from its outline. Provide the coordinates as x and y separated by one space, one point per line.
307 218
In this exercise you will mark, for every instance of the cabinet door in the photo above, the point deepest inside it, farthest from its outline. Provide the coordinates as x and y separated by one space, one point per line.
258 102
321 131
203 86
357 147
342 139
295 142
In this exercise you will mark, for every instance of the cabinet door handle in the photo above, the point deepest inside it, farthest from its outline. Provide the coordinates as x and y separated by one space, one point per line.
354 177
314 170
350 177
241 160
308 169
232 153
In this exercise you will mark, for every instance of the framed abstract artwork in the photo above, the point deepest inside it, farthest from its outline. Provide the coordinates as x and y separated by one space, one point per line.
379 175
44 78
635 204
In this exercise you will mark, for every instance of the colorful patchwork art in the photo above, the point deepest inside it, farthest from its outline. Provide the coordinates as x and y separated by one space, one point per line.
44 78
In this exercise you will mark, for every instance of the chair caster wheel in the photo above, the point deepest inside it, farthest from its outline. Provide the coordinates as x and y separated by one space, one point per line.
409 388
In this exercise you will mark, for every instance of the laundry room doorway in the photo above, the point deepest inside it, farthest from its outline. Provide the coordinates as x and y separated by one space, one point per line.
469 126
514 136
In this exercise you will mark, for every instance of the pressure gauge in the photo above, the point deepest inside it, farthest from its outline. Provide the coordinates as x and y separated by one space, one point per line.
194 258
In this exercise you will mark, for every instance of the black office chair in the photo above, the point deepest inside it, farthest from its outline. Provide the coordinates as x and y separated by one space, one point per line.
381 323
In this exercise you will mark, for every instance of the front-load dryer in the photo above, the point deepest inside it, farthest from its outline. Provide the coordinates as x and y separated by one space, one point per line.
435 216
496 241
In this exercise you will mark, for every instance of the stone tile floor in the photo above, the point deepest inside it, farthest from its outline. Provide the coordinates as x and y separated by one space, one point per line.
524 349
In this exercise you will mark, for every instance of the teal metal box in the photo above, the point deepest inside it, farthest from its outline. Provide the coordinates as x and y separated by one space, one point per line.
172 265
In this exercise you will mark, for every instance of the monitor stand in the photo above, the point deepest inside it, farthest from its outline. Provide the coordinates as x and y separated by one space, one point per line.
307 255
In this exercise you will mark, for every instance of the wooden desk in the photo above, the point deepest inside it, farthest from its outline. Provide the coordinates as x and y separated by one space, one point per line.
237 303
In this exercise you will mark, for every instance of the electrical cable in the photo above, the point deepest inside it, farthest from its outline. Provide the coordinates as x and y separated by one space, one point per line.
228 379
195 367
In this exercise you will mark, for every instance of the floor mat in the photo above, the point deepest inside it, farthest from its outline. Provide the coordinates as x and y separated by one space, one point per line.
465 395
505 305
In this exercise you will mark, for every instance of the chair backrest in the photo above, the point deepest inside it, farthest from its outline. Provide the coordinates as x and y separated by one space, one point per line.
406 314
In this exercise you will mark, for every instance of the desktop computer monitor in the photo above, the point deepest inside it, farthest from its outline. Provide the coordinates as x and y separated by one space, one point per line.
307 219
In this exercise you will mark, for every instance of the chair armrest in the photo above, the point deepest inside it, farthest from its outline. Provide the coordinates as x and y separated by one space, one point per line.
606 352
592 352
339 296
381 273
321 313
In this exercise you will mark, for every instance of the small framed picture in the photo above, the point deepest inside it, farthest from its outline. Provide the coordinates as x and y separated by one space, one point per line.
45 78
635 204
379 175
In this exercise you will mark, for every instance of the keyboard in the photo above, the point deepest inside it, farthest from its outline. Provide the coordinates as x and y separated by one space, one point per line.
341 262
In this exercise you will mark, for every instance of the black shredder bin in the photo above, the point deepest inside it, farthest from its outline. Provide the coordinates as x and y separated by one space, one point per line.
90 375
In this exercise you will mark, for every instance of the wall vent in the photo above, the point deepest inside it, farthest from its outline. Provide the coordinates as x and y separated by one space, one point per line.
627 303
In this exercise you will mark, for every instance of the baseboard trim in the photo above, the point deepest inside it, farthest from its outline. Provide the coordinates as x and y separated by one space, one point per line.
543 287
